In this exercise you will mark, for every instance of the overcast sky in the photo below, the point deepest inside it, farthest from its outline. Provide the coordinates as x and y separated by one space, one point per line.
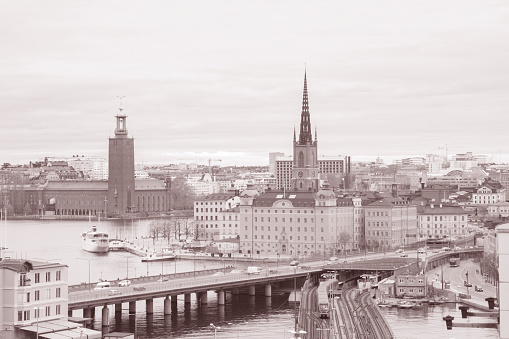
224 79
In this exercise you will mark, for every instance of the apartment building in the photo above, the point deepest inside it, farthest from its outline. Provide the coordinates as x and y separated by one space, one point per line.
31 291
441 220
208 214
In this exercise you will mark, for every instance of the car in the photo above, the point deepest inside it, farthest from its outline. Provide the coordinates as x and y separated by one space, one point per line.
447 249
162 279
478 288
294 263
217 274
400 251
467 284
115 292
333 259
102 285
124 283
436 250
237 271
421 250
403 255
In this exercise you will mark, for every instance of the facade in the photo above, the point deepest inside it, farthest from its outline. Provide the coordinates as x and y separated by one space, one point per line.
229 226
442 220
411 285
209 217
390 223
121 171
31 291
500 209
488 194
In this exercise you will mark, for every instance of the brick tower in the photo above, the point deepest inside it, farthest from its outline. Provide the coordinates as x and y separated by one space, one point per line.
121 171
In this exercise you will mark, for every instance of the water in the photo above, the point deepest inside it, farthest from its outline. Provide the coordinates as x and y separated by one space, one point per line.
241 317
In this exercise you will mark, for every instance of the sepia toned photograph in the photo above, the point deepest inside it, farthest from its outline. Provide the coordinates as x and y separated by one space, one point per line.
253 169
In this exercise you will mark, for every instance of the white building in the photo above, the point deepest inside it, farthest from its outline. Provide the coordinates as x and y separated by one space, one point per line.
31 291
208 215
442 220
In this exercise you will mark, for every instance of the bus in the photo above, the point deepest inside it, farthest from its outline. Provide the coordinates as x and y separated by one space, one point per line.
454 262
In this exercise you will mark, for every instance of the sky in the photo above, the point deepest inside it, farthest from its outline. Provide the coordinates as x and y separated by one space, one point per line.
223 80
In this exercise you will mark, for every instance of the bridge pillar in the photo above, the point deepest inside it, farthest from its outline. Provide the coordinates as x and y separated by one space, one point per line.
203 297
118 308
69 313
87 312
187 298
268 290
167 305
235 291
174 299
220 297
150 306
132 307
252 290
93 312
106 316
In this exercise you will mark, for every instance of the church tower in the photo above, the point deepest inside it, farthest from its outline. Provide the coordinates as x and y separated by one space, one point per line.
305 175
121 171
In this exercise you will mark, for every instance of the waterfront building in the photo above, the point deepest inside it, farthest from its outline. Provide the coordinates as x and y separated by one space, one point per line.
208 215
411 285
31 291
120 196
439 220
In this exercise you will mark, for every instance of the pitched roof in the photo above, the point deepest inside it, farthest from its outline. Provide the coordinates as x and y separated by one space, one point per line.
298 199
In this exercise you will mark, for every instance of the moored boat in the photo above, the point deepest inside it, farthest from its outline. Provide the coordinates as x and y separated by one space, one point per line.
94 241
159 256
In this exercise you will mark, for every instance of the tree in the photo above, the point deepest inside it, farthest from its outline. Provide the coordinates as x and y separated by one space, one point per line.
181 195
344 239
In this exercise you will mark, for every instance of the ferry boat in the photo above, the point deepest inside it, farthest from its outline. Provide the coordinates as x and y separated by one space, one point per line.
159 256
95 242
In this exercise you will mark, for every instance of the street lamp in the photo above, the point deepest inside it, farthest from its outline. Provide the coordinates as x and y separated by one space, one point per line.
88 269
215 329
37 309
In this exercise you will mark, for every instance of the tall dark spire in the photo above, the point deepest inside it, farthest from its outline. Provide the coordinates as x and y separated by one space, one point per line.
305 135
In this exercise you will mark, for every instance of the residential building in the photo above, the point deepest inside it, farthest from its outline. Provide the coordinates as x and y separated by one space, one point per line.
31 291
440 220
208 215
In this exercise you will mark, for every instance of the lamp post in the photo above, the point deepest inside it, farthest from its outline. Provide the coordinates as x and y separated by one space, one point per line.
215 329
37 309
88 269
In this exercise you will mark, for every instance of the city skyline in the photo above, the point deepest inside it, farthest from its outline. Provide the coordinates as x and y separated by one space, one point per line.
224 80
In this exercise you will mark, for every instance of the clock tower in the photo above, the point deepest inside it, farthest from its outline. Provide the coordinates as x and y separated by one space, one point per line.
305 176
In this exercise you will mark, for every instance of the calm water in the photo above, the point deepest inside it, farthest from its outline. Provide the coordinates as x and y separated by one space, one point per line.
241 317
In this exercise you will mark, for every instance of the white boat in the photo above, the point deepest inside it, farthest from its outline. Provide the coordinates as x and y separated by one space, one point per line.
95 242
159 256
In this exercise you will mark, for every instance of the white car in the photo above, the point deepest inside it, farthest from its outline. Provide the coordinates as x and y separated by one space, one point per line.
400 251
421 250
124 283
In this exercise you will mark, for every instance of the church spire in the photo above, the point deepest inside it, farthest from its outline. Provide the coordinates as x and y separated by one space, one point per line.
305 135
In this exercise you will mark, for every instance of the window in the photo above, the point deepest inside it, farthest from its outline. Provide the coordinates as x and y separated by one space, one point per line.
26 315
57 293
20 316
58 275
36 295
48 294
57 309
28 297
47 311
37 278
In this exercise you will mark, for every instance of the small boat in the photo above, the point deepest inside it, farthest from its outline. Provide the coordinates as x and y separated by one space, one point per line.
406 304
95 242
159 256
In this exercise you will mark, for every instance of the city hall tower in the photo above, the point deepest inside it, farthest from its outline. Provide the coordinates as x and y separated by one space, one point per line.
121 196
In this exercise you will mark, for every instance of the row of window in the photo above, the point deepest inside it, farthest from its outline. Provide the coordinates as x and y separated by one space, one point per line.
26 297
37 277
445 218
282 238
25 315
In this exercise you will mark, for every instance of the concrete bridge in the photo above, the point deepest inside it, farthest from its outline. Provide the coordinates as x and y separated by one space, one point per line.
88 300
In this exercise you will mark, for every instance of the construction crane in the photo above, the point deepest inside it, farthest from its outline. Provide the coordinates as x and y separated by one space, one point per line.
210 161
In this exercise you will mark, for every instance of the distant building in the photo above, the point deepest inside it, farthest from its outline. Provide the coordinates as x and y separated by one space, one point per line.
210 216
439 220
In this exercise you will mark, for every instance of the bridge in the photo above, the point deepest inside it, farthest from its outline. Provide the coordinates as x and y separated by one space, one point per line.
149 288
88 300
